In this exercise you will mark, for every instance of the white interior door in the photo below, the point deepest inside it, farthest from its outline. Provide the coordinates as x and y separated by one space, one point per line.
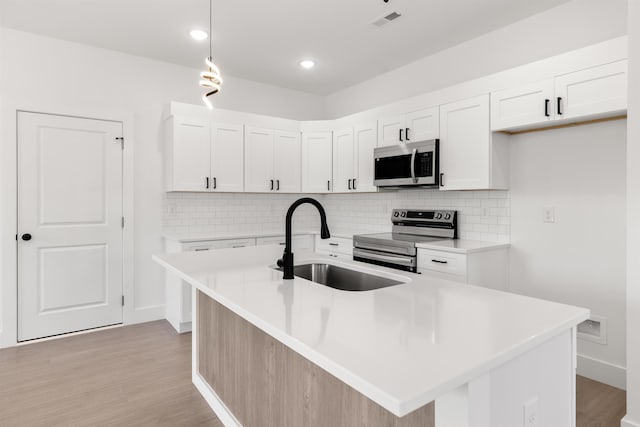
69 224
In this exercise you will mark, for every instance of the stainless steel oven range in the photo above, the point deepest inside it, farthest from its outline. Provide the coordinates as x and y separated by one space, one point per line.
410 227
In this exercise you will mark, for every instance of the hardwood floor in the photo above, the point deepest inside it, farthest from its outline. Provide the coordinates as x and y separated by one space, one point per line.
140 375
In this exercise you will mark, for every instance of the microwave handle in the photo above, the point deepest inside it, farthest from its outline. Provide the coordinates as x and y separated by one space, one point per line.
413 165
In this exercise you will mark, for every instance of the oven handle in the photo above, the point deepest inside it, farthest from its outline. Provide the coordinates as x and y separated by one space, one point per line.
413 165
376 256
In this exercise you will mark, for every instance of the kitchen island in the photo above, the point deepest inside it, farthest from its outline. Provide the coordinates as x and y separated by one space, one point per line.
421 353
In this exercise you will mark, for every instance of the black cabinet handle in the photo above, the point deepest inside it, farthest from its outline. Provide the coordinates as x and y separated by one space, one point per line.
277 185
328 185
559 105
439 262
401 135
349 184
546 107
271 184
207 179
354 184
26 237
215 183
334 244
406 134
442 180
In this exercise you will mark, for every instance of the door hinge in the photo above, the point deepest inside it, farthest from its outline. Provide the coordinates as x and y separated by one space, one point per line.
121 139
123 300
122 222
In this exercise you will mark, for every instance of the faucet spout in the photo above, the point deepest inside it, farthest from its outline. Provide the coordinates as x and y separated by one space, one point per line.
287 258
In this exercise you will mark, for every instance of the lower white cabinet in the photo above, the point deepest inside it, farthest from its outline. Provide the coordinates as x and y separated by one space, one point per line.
298 242
486 268
335 247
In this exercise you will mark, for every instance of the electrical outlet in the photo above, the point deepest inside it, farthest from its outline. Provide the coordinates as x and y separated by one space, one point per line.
549 214
531 413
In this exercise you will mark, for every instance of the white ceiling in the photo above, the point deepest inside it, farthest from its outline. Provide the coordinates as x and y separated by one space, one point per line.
263 40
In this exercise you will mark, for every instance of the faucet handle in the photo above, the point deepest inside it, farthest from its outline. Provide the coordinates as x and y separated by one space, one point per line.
280 262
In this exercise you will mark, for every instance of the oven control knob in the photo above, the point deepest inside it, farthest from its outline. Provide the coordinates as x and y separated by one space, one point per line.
438 215
403 214
447 216
396 214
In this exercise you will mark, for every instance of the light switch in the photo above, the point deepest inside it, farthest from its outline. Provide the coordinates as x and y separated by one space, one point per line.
549 214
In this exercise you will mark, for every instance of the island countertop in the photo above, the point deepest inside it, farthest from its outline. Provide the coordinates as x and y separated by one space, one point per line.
402 346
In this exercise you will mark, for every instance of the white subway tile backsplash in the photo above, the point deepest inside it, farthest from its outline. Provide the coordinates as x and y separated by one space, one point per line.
482 215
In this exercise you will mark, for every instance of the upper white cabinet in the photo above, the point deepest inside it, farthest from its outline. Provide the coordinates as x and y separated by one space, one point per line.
272 161
415 126
471 157
203 156
317 162
227 158
287 161
591 93
343 161
365 141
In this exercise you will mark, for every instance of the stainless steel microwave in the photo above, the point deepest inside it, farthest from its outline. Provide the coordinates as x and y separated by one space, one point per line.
406 165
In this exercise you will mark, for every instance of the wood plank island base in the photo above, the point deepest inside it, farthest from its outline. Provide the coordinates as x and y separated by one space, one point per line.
423 352
264 383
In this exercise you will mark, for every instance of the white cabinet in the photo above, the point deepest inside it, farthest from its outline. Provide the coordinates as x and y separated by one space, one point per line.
272 161
365 141
187 154
592 92
178 293
335 247
525 105
488 268
227 158
258 160
203 156
343 161
410 127
595 92
471 157
317 162
287 161
298 242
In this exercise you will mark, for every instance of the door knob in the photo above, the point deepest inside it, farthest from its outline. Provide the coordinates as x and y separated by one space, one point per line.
26 237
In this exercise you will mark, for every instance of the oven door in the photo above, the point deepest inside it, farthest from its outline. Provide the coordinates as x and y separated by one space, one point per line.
415 163
399 262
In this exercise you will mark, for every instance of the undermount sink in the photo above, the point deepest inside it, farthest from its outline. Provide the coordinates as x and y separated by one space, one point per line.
342 278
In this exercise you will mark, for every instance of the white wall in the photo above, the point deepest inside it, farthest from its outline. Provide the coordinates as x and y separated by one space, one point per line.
633 221
46 74
570 26
579 259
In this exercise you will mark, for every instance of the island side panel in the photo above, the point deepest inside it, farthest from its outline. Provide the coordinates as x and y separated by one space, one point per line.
264 383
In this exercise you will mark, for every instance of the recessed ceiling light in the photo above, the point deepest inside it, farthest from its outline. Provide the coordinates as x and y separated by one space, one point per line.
198 35
307 63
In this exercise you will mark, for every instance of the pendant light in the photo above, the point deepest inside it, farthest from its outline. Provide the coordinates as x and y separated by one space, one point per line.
210 79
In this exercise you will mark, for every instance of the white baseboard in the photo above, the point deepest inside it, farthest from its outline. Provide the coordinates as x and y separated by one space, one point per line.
604 372
220 409
626 422
145 314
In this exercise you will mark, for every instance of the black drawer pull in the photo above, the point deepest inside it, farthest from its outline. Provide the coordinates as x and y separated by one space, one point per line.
546 108
439 262
559 105
334 244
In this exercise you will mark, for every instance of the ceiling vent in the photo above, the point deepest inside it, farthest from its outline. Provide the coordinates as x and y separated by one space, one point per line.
392 16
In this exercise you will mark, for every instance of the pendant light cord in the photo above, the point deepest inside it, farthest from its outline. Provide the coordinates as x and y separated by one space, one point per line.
210 29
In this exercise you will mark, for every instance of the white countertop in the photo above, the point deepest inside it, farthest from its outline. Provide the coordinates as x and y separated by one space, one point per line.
402 346
462 246
224 235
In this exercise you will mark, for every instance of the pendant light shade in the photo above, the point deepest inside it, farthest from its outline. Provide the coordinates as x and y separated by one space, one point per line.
210 79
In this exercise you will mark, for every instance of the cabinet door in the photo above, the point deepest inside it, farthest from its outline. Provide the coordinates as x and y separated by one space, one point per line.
190 153
591 92
227 157
465 144
389 130
366 140
258 160
287 162
522 106
422 125
343 172
316 162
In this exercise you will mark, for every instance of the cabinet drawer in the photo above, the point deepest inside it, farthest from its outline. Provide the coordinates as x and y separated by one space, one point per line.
218 244
443 262
335 245
304 241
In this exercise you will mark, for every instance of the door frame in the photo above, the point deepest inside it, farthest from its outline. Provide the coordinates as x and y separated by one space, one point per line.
9 209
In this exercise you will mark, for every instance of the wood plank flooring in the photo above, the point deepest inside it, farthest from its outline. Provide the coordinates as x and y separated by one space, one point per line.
140 375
